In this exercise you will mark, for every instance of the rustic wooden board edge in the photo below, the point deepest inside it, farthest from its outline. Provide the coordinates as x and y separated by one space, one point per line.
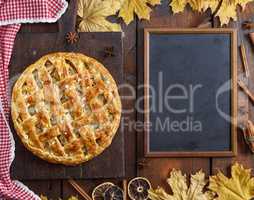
234 108
69 48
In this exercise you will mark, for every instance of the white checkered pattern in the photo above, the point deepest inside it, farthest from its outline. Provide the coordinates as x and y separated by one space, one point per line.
12 13
30 11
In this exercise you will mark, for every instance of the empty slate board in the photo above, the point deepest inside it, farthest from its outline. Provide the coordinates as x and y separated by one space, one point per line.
31 46
191 99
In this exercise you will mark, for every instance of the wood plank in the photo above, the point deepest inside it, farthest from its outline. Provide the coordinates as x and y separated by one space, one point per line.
157 169
129 116
50 188
92 44
244 110
39 28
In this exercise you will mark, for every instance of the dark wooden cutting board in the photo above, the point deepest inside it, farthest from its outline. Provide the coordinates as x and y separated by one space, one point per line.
31 46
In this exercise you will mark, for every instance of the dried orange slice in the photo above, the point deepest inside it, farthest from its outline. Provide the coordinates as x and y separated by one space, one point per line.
138 188
114 193
99 191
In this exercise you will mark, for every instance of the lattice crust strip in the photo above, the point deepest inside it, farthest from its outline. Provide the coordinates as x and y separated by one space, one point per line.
66 108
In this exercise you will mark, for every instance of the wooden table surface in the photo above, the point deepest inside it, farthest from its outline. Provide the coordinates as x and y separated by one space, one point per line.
157 169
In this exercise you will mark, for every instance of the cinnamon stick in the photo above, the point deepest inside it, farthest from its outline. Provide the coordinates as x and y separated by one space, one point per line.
244 60
80 190
125 190
246 90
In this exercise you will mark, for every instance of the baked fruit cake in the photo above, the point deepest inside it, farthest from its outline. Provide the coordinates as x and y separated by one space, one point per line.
66 108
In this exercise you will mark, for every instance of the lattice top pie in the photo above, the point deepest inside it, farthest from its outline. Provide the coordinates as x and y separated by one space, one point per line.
66 108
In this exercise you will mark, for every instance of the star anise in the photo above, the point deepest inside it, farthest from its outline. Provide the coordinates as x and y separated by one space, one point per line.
247 25
109 52
142 163
72 37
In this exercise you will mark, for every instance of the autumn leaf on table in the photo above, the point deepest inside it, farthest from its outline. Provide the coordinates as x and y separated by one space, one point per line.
239 187
141 8
73 198
226 11
93 15
180 189
197 5
43 197
115 4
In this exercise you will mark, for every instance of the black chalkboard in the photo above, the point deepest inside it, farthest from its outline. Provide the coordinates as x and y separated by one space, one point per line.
190 103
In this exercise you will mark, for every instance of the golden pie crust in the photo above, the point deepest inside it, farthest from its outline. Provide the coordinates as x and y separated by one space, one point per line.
66 108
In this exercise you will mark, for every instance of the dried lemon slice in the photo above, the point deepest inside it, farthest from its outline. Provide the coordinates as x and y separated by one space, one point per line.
99 191
138 188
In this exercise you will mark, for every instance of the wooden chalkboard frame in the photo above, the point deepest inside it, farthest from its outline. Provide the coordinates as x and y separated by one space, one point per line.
233 37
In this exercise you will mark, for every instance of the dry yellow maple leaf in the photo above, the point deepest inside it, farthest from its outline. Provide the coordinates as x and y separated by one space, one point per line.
73 198
139 7
180 189
43 197
197 5
226 11
239 187
93 15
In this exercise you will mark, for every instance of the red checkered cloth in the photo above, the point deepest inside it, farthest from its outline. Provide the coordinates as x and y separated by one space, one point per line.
12 13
